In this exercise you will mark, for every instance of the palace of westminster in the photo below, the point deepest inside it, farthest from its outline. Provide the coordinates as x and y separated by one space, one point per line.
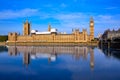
52 52
52 35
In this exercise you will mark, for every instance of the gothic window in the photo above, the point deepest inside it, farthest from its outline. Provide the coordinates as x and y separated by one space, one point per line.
11 34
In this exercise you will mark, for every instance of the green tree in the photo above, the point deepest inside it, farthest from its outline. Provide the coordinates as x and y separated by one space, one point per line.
3 38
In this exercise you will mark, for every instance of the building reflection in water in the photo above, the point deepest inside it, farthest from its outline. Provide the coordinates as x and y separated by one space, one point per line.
51 52
26 59
110 52
91 58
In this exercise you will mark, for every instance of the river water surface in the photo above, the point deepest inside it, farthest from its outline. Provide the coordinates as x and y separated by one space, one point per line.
59 63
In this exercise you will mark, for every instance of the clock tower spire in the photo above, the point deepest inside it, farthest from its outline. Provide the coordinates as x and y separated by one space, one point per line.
91 28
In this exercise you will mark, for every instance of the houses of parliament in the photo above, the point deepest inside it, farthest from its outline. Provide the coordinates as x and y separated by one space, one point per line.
52 35
52 53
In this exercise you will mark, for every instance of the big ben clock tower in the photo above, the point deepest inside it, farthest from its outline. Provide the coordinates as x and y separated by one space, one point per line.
91 29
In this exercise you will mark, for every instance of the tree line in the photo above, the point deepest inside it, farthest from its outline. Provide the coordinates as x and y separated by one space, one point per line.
3 38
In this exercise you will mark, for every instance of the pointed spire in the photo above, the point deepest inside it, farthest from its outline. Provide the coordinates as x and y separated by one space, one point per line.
84 29
26 20
91 18
49 27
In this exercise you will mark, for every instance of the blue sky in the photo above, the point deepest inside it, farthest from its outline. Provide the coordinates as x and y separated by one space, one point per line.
61 14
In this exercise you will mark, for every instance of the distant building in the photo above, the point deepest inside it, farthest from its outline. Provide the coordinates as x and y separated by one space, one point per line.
52 35
109 35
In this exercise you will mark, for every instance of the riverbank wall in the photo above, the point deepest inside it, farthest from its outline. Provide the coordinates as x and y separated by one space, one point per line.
50 44
2 43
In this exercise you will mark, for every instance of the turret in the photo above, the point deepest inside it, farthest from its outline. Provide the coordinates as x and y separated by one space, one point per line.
26 28
85 35
12 37
49 27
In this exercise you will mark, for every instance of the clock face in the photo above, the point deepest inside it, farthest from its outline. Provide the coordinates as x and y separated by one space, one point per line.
91 24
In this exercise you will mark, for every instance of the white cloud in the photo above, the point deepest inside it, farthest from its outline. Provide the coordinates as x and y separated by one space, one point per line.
67 21
65 18
109 8
10 14
64 21
70 16
79 19
105 17
63 5
73 20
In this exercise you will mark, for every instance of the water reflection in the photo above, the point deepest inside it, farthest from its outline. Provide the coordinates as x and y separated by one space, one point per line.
110 52
59 63
51 52
3 49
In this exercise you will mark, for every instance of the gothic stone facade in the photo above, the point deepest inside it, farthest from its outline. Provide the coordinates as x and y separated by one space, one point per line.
75 36
110 35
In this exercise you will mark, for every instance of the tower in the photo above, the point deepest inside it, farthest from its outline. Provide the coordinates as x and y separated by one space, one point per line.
91 58
49 27
91 28
85 35
26 58
12 36
26 28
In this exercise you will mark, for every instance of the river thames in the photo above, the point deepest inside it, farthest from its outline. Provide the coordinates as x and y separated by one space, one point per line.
59 63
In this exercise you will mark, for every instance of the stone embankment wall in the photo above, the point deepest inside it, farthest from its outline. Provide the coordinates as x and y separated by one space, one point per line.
2 43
